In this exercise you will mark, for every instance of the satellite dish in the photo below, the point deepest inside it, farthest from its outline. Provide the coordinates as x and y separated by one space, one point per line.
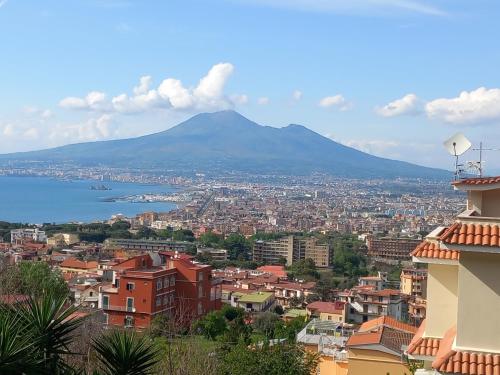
457 144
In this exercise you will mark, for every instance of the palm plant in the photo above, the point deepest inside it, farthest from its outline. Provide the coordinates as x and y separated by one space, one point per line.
16 345
126 353
52 324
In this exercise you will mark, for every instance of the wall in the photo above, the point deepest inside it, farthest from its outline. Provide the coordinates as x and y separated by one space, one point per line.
372 362
478 324
442 294
491 203
328 366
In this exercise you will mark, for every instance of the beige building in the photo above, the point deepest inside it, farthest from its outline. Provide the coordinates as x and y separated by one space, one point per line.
63 239
461 332
414 282
292 248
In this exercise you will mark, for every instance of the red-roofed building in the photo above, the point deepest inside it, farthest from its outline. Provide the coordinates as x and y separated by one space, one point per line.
73 265
377 347
460 333
278 271
335 311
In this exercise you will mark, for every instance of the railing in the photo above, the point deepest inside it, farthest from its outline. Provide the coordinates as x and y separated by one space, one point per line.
118 308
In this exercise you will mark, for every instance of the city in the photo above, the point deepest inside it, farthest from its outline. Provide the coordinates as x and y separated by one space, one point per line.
249 187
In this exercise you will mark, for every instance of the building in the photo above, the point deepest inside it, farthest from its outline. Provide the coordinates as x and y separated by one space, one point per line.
460 333
146 245
328 339
377 347
377 282
414 282
369 303
197 291
290 249
19 236
73 265
254 302
390 249
151 284
219 255
334 311
63 239
141 290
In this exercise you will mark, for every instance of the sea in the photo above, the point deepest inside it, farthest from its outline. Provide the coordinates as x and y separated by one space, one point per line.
38 200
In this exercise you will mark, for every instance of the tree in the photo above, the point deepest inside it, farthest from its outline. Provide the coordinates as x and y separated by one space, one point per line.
126 353
212 325
266 323
303 269
280 359
211 239
237 246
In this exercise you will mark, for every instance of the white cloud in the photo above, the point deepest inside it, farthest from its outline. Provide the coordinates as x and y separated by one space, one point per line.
337 101
297 95
8 130
31 133
408 105
371 146
95 101
264 100
35 111
470 107
2 3
93 129
364 7
171 93
240 99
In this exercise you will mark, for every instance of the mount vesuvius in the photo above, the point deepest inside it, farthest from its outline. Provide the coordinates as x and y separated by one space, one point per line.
228 142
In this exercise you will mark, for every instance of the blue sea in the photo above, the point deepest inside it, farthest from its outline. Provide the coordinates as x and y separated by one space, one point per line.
39 200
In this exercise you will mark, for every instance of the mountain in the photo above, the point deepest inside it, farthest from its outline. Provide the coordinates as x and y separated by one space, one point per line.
228 142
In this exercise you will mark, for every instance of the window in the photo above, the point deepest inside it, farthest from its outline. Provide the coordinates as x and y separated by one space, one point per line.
106 319
172 280
130 286
172 298
200 276
159 284
105 302
91 294
165 299
200 291
117 283
129 321
165 282
158 301
130 304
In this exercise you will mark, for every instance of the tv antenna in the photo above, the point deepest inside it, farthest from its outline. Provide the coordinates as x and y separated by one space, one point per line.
459 144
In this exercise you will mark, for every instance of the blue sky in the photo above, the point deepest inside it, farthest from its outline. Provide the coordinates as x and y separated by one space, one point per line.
391 77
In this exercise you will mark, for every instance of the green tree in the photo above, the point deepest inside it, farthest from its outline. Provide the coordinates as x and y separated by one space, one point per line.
237 246
211 239
281 359
212 325
266 323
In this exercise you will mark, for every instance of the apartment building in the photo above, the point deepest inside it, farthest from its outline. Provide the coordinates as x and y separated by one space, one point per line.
334 311
369 303
460 333
197 291
292 248
151 284
414 282
141 289
390 249
146 245
19 236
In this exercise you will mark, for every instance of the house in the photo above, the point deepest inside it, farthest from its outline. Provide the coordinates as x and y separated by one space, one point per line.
461 330
334 311
369 303
73 265
253 302
377 347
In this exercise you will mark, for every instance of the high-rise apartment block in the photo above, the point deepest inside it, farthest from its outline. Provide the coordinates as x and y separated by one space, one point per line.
292 248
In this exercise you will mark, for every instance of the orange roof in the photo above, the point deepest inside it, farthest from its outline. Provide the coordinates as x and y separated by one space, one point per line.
385 331
423 345
478 181
464 362
472 234
387 321
336 307
75 263
432 250
278 271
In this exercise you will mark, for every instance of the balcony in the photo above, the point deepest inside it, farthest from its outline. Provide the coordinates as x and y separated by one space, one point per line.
119 308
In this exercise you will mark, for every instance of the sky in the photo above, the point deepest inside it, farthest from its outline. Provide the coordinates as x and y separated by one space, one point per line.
394 78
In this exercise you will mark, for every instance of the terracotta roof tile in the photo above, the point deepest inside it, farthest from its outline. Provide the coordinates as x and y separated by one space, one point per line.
388 322
464 362
424 346
336 307
75 263
478 181
472 234
432 250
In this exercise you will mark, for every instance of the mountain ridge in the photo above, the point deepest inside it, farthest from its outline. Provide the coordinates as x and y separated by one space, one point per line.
226 141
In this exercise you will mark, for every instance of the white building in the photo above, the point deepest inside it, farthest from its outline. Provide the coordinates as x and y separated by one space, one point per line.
27 234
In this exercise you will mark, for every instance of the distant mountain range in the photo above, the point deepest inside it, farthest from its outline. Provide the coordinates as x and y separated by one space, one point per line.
225 141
